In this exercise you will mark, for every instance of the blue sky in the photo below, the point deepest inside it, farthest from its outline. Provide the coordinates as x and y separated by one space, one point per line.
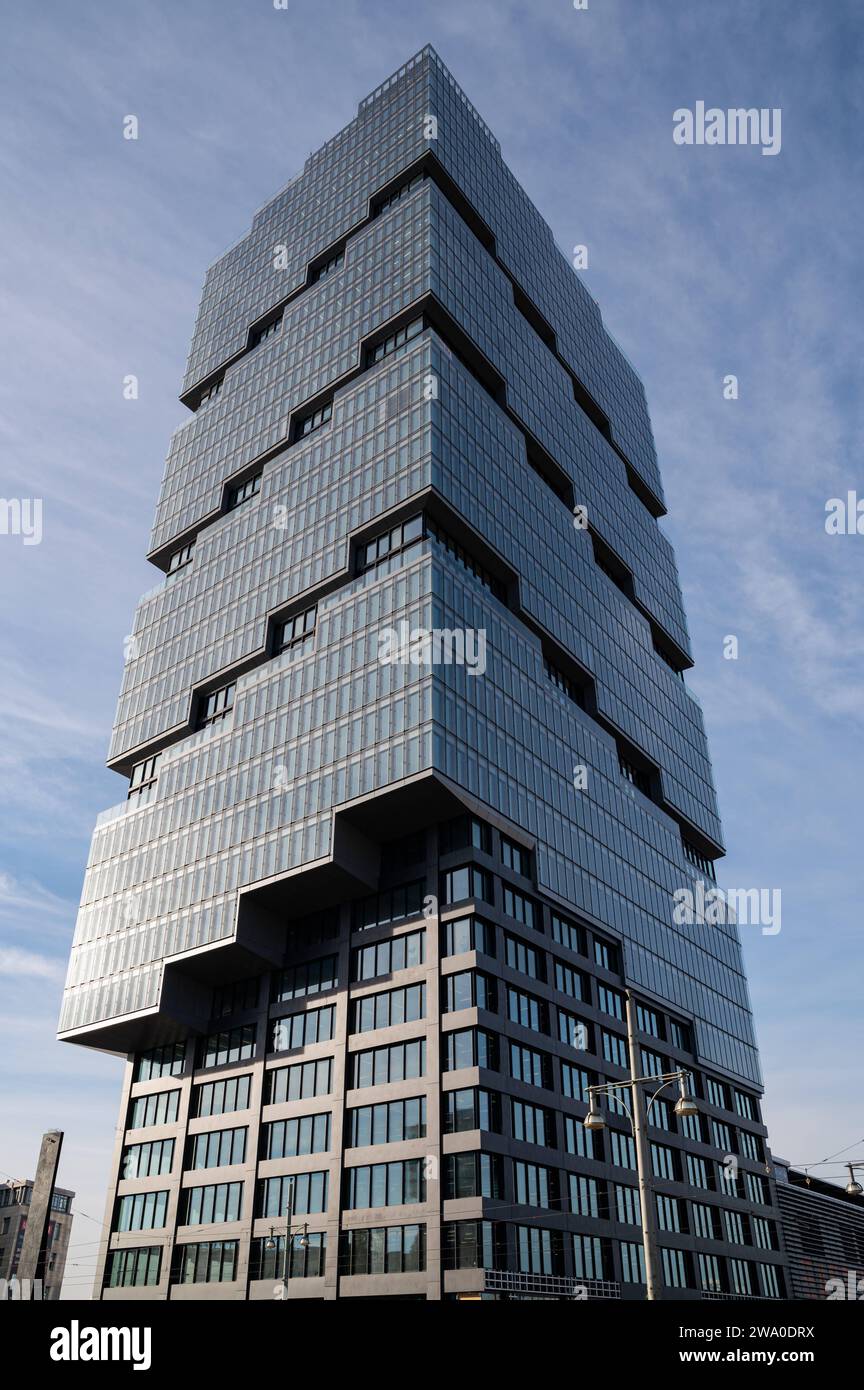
705 260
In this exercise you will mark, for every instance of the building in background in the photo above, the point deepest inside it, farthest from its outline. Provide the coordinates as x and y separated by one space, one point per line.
15 1197
823 1230
414 776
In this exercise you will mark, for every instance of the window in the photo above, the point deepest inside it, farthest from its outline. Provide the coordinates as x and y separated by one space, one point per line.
220 1148
574 1031
605 954
312 977
148 1160
575 1082
679 1035
716 1093
579 1140
470 1047
392 542
389 1008
300 1082
515 857
468 562
464 832
530 1066
763 1233
721 1136
746 1106
303 1029
467 882
383 1250
527 1010
221 1097
235 998
522 909
709 1273
160 1061
663 1162
757 1189
691 1127
464 934
235 1045
385 1185
622 1149
217 705
205 1206
674 1268
144 775
385 958
609 1001
295 630
739 1272
632 1262
568 934
533 1124
159 1109
389 345
389 1123
652 1063
750 1144
526 959
614 1048
307 1134
628 1209
383 204
587 1197
306 1193
734 1227
209 393
699 861
473 1245
648 1021
134 1267
267 330
589 1257
469 989
312 420
668 1213
534 1185
325 268
636 776
472 1174
142 1211
697 1171
573 690
703 1221
380 1065
572 982
538 1251
307 1261
387 909
208 1262
770 1278
241 492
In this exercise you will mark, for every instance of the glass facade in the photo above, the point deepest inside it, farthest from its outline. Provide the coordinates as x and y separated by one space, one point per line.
405 413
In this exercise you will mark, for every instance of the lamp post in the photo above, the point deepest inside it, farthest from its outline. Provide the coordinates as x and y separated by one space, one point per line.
638 1113
289 1238
853 1187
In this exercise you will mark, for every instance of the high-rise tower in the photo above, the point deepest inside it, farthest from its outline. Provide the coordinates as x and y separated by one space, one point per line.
414 776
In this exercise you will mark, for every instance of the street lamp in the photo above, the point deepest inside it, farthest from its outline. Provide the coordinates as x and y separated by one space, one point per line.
853 1187
638 1116
270 1243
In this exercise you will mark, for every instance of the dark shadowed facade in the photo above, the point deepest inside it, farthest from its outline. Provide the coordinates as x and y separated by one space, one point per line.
414 776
